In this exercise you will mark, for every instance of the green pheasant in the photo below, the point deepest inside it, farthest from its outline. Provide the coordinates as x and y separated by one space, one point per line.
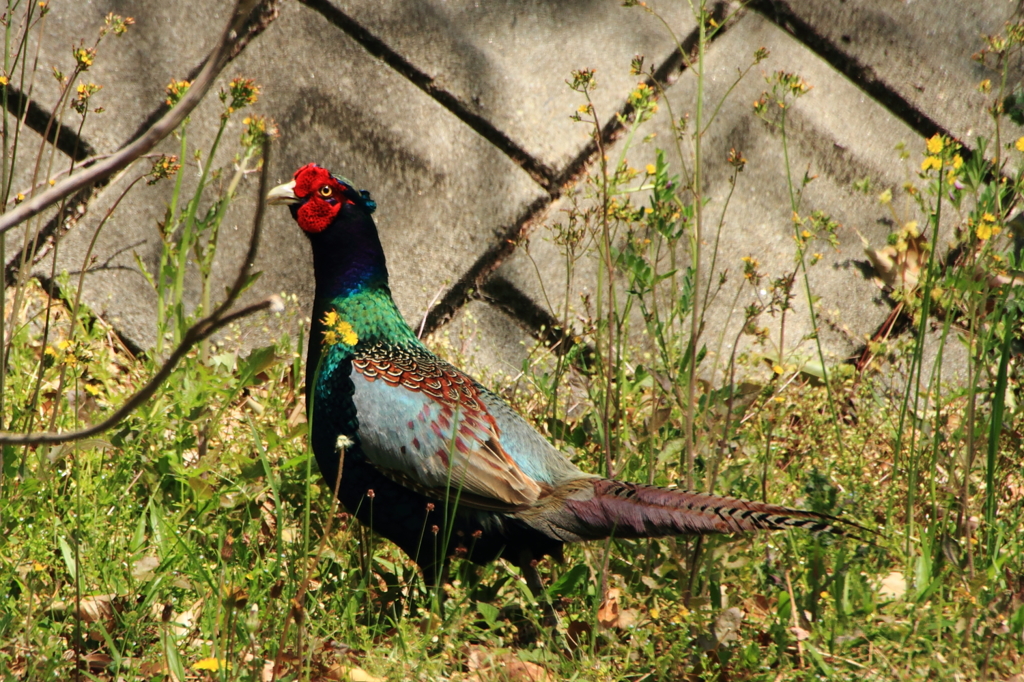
422 437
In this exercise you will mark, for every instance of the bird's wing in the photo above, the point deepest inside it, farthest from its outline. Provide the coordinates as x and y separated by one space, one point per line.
423 422
532 452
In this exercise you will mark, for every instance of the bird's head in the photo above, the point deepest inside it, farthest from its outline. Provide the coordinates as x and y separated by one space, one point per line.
347 255
317 198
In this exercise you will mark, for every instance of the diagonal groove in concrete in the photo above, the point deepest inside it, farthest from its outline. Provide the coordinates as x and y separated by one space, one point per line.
538 322
506 297
540 172
74 208
37 118
782 15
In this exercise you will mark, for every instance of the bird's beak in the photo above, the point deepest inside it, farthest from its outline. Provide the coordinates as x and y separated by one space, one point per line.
283 194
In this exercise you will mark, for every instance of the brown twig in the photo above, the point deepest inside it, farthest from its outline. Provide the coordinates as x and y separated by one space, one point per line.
202 329
232 37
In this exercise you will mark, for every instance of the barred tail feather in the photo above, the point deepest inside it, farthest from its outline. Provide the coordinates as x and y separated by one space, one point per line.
591 509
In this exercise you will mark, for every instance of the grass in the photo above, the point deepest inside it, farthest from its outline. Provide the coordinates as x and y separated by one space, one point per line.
194 540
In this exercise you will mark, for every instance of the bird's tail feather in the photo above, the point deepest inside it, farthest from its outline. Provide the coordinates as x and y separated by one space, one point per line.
591 509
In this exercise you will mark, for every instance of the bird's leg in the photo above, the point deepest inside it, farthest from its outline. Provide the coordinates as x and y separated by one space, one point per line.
533 581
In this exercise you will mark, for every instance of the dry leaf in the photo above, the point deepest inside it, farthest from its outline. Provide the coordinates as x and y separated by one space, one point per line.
142 570
268 517
152 668
578 634
799 633
893 586
899 265
235 597
182 624
298 413
489 666
94 609
97 662
727 625
608 612
344 673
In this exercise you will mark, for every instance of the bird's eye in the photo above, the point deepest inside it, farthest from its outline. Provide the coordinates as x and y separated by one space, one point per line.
326 191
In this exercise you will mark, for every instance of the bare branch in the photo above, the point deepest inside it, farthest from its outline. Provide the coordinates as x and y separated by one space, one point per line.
233 36
199 331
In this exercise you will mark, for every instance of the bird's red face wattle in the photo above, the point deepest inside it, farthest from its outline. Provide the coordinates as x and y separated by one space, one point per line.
322 196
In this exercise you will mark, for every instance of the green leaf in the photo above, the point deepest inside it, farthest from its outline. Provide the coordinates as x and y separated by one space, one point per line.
489 612
69 557
255 362
569 581
250 280
226 360
139 537
671 450
202 489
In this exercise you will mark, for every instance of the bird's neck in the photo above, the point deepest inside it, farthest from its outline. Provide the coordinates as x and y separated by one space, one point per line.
346 324
348 259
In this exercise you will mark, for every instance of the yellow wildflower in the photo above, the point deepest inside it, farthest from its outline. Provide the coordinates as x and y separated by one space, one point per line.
957 161
988 217
934 144
348 334
3 80
1019 144
984 230
805 234
651 170
176 90
338 329
211 664
931 162
84 56
885 197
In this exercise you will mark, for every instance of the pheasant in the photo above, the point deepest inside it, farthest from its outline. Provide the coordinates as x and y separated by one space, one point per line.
434 461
